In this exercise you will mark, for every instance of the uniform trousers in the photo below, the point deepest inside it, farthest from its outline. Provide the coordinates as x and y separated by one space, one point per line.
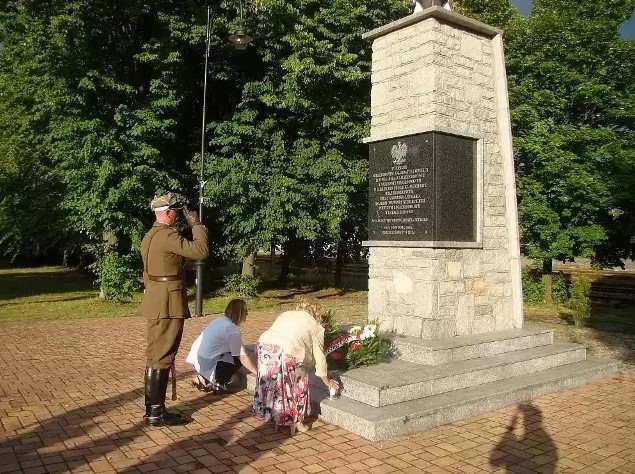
164 337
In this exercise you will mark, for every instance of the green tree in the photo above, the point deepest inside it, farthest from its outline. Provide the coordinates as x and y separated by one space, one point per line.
31 220
573 106
498 13
288 166
107 94
572 97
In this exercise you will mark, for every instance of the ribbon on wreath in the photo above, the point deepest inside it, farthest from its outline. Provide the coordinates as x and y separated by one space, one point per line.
339 341
356 333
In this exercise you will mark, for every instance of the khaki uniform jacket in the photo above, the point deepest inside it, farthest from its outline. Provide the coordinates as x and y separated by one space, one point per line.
164 251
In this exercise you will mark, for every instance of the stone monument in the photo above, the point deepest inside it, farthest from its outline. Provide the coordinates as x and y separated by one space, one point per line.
444 264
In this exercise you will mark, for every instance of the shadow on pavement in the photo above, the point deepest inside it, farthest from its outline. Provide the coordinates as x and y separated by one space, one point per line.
510 452
232 444
87 434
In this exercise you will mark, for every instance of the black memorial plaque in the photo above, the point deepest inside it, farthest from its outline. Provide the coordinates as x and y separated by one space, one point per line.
422 188
401 192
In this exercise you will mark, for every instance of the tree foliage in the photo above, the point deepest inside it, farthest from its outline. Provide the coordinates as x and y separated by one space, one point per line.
30 214
574 106
100 107
94 117
572 97
288 164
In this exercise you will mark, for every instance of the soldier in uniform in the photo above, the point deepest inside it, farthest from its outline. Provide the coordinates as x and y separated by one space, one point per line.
164 303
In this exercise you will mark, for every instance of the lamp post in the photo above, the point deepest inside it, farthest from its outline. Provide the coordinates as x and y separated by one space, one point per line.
240 39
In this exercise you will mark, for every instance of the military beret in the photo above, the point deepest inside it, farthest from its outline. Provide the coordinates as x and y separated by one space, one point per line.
165 202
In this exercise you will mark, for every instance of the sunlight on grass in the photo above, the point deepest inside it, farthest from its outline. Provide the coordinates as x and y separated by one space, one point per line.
48 293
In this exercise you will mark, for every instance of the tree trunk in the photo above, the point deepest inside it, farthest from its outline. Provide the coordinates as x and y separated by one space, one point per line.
272 258
286 262
547 279
249 264
339 262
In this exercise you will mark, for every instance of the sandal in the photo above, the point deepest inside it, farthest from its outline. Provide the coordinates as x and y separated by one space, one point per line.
218 388
300 427
201 385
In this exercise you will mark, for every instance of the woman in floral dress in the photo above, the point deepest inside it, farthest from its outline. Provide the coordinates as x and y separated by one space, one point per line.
285 353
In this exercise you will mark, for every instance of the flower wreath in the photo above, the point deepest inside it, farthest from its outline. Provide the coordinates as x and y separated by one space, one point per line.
360 346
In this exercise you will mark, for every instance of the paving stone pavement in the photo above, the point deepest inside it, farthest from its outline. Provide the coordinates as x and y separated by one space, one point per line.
71 400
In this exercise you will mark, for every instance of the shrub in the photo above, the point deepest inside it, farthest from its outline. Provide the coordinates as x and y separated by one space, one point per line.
116 276
559 288
242 285
534 286
579 300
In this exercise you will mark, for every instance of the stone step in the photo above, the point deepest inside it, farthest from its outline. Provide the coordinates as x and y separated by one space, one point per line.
398 381
404 418
467 347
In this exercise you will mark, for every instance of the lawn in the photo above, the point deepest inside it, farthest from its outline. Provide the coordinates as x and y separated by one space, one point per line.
45 293
609 332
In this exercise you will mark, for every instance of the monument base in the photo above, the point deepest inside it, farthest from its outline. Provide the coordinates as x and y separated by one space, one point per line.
431 383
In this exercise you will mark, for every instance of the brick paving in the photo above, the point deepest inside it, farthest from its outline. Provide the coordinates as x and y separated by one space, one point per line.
71 400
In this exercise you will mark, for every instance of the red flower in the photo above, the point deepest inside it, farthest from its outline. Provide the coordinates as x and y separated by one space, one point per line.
335 355
355 345
327 327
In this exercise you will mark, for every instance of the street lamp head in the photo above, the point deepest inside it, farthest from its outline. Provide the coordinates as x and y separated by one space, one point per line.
240 39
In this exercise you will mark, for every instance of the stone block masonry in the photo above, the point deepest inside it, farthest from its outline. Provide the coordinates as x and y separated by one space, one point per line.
453 292
439 71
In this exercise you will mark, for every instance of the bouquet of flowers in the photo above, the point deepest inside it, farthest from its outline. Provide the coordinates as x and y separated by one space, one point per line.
360 346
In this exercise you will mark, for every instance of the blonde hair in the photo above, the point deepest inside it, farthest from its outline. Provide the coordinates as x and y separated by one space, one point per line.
236 310
311 306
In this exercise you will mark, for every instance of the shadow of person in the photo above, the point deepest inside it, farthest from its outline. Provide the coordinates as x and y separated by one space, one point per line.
91 432
231 440
511 450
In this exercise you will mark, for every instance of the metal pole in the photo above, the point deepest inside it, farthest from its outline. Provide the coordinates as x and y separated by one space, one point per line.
201 183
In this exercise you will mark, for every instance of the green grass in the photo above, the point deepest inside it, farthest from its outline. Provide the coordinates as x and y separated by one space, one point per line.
48 293
608 333
44 293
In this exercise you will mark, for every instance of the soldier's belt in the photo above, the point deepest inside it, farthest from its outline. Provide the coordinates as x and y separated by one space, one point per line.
165 278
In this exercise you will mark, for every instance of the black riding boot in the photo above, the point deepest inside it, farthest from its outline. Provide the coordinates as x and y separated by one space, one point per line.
156 385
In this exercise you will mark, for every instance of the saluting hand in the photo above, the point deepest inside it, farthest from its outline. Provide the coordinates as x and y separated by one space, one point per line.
191 217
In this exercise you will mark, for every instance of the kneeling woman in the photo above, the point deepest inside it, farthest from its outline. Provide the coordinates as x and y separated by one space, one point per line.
218 352
285 352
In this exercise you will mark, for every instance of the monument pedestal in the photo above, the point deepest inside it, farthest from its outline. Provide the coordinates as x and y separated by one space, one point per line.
431 383
444 265
399 397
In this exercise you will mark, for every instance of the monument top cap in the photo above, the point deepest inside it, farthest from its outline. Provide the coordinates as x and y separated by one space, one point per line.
443 14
